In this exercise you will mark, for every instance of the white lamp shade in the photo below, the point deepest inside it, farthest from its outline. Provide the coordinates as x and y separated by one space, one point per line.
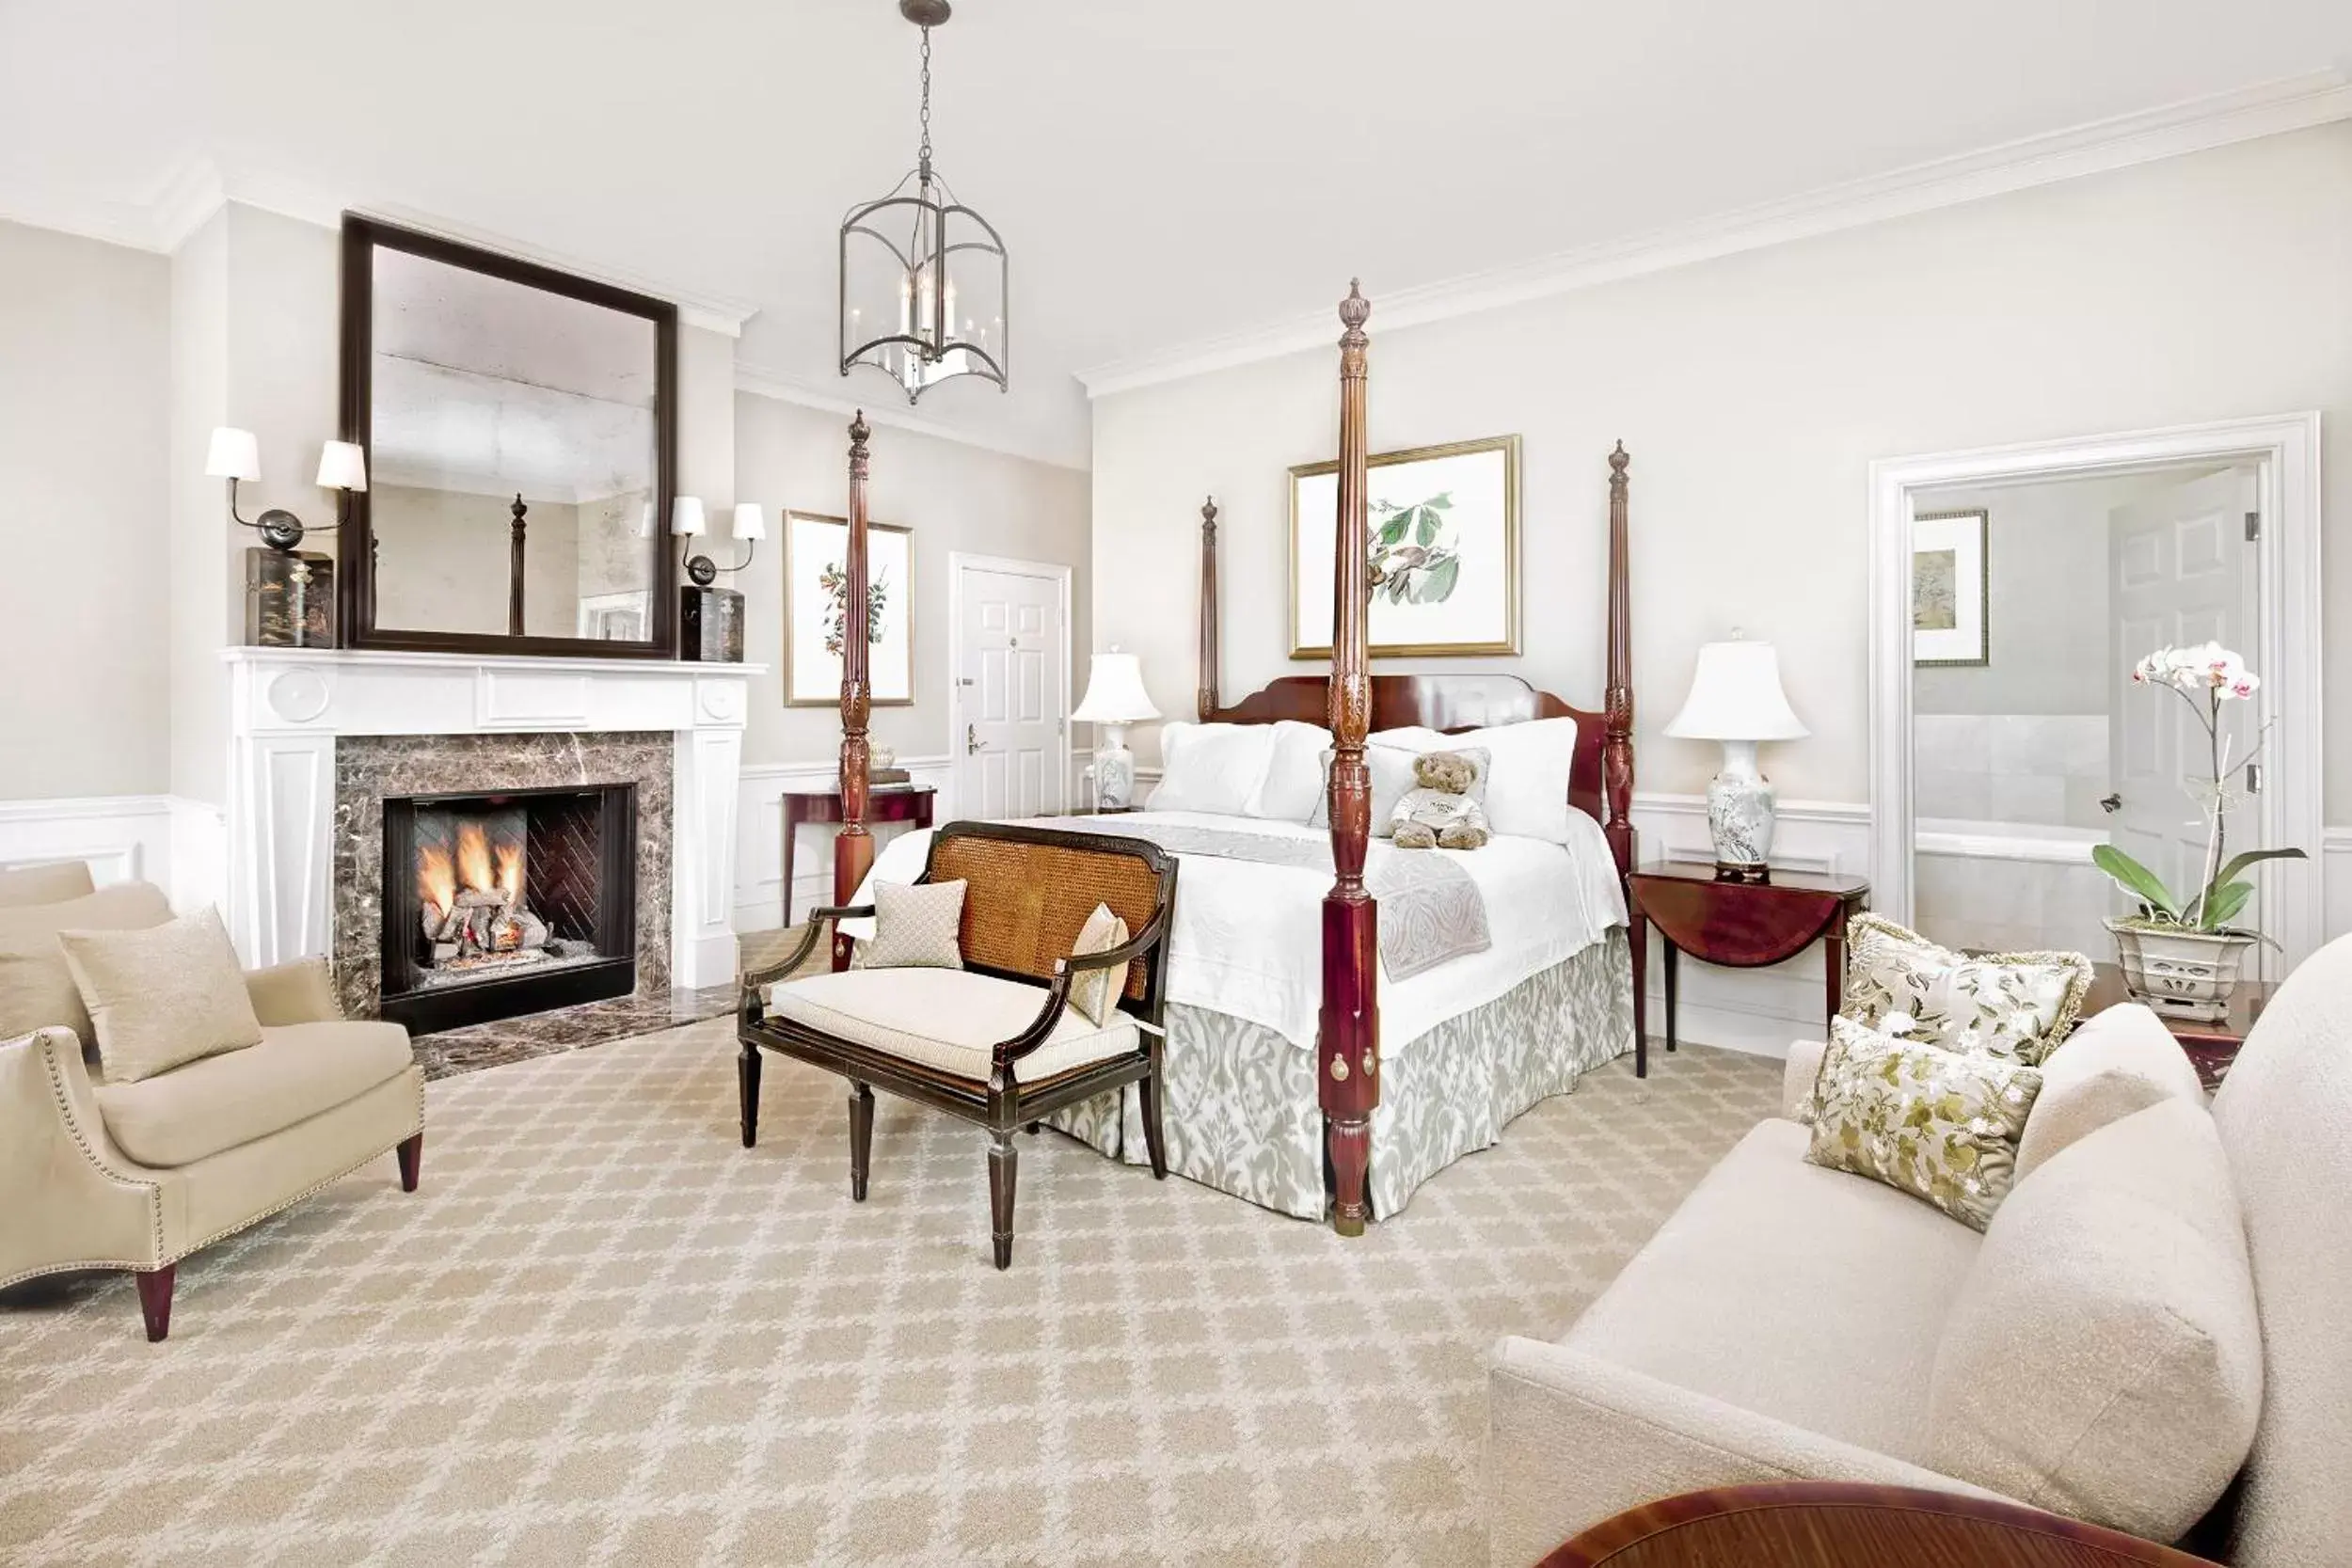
343 466
686 516
1115 693
1736 695
233 455
749 521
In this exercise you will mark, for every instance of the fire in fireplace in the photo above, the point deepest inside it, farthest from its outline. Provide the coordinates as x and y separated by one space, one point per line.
514 903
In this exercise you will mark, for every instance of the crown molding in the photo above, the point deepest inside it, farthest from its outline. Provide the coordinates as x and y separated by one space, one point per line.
767 382
185 199
2291 103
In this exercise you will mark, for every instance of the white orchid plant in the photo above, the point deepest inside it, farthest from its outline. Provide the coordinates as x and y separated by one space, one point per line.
2205 679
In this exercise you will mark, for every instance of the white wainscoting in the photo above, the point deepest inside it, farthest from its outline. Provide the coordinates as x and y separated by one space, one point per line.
124 838
2335 865
759 835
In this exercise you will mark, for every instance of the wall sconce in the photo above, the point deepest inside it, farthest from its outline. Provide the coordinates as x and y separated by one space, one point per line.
710 619
290 593
750 525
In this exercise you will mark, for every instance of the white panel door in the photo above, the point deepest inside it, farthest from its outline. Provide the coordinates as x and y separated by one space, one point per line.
1012 712
2181 571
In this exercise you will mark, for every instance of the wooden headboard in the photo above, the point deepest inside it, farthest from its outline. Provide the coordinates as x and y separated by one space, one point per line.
1439 702
1600 776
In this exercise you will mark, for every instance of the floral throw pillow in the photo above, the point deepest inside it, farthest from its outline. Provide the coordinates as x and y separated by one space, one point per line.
1940 1125
2014 1004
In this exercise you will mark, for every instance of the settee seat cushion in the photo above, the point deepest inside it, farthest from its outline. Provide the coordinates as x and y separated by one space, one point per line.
947 1020
297 1072
1808 1295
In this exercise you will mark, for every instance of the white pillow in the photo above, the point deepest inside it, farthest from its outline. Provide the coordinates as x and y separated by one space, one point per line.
1212 768
1293 779
1391 776
1527 778
1415 738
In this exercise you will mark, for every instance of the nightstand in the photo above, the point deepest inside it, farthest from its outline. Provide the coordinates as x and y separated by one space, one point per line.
1738 924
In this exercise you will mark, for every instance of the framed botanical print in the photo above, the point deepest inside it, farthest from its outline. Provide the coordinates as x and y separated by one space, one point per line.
1444 552
816 606
1950 600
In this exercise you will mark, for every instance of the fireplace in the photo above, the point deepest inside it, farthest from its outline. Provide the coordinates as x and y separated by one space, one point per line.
505 903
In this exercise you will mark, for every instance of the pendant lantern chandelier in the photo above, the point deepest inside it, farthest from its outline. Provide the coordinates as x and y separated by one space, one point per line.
923 279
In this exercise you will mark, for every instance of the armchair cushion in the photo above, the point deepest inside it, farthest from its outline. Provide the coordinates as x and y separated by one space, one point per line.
36 991
1090 989
2120 1061
162 997
915 927
946 1019
53 884
297 1071
2106 1359
302 992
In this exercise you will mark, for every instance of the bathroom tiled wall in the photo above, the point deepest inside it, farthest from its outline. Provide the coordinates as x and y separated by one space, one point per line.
2014 906
2047 769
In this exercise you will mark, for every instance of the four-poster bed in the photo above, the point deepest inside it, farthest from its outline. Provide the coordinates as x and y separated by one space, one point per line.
1281 1087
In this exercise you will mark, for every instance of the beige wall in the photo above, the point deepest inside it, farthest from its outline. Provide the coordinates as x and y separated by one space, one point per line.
956 498
84 414
1753 391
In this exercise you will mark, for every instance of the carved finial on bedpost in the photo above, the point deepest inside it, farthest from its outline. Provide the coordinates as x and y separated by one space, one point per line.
1347 1056
1616 746
853 849
1206 699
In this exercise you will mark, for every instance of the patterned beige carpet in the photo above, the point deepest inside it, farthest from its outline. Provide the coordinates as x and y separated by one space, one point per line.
605 1333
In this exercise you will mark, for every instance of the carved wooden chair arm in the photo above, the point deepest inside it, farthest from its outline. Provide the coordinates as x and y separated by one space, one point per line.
1005 1052
759 979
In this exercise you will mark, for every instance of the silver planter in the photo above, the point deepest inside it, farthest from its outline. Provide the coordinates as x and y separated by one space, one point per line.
2186 974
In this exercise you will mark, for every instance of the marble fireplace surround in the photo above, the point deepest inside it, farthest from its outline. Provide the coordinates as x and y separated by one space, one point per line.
369 767
305 721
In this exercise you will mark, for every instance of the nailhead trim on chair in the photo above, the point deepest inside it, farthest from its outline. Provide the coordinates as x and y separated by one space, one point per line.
154 1190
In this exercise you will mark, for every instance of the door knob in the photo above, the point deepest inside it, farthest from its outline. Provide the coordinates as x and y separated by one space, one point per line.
2112 804
972 739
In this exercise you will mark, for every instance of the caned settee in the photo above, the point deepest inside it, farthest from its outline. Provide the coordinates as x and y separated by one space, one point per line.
1791 1322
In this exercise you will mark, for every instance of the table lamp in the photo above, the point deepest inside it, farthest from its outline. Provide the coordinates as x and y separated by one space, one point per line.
1736 698
1114 699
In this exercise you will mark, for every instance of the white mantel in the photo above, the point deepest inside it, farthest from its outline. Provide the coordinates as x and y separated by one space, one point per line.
288 705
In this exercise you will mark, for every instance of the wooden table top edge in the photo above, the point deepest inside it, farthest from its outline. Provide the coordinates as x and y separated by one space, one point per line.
1648 1522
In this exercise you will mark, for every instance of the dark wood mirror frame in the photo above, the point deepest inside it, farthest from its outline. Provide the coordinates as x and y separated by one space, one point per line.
361 238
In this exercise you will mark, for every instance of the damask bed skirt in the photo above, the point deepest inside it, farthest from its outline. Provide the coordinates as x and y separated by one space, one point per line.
1242 1114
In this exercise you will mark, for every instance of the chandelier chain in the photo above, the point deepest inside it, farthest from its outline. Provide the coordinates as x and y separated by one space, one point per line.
926 106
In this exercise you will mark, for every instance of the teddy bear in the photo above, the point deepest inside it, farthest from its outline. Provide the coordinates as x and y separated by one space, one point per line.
1440 809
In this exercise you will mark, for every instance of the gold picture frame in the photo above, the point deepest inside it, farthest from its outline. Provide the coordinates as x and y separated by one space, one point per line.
1488 618
891 663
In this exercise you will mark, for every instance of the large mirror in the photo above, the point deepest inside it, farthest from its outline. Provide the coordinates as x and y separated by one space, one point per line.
519 426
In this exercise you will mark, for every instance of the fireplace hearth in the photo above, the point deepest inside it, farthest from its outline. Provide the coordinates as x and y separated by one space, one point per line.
506 903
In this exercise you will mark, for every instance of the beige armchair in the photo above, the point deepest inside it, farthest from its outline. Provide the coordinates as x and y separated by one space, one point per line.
137 1175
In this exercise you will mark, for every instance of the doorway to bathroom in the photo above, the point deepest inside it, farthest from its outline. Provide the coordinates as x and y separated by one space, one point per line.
2012 739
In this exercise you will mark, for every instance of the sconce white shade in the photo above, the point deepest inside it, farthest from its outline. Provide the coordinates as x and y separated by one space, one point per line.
233 455
686 516
343 466
749 521
1115 693
1736 695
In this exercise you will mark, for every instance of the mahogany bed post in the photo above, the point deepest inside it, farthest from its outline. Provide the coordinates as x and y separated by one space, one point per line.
853 849
1348 1061
1616 746
1206 704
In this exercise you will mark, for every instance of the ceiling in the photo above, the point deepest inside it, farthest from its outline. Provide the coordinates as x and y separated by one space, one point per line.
1164 174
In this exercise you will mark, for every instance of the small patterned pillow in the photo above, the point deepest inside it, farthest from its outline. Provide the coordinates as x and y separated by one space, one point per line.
1934 1123
1092 991
916 927
2014 1004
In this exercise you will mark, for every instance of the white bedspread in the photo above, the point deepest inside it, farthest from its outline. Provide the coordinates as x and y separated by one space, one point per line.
1248 937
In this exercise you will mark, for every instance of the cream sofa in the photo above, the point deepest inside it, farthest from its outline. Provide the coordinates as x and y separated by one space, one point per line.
137 1175
1791 1322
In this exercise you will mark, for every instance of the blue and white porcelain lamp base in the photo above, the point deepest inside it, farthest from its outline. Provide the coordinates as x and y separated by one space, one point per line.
1114 770
1740 816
